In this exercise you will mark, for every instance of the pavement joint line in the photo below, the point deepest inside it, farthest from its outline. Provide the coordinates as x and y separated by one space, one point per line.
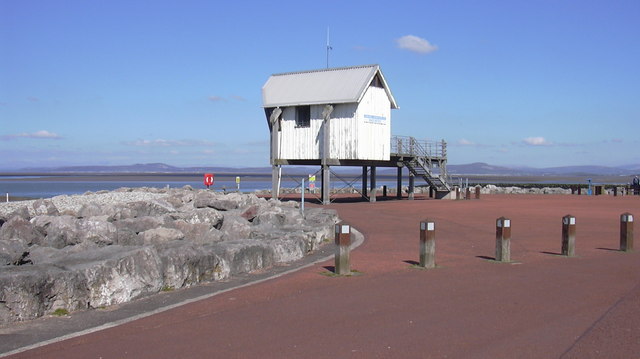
358 241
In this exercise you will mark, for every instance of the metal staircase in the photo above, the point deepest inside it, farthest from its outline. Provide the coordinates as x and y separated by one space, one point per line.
422 158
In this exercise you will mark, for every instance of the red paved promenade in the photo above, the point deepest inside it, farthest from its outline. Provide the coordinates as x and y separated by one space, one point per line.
542 306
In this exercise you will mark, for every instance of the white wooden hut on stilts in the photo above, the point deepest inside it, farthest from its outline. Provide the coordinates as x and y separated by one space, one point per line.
342 117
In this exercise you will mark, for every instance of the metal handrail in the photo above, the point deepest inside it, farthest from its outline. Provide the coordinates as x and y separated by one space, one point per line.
410 146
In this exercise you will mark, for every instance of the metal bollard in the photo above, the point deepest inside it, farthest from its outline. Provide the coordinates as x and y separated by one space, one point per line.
626 232
427 244
569 235
343 243
503 239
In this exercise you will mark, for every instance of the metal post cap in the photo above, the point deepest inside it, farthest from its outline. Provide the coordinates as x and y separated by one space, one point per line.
503 222
343 228
427 226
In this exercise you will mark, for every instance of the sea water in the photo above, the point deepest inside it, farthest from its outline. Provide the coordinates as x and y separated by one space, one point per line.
35 187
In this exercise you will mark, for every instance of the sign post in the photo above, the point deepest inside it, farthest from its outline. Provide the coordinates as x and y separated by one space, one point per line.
312 183
302 197
208 179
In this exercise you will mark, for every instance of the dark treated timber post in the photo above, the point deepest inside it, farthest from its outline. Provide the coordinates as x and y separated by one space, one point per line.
427 244
467 194
326 185
343 243
364 180
374 189
503 239
399 184
458 194
626 232
411 185
384 191
569 235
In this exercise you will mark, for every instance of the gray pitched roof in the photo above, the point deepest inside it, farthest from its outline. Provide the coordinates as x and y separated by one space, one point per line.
326 86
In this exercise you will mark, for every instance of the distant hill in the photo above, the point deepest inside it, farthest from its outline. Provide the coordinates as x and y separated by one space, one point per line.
478 168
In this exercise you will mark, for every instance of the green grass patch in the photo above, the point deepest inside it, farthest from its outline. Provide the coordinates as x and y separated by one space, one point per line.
60 312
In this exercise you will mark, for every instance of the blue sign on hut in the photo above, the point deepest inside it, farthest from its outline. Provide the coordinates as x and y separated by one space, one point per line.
342 117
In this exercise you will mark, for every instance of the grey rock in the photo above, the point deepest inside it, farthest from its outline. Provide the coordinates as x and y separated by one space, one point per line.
161 235
20 228
60 231
213 200
44 207
28 292
108 248
12 251
246 255
235 227
197 232
185 264
140 224
91 209
96 231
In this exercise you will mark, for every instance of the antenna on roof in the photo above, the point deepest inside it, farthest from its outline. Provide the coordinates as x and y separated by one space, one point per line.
328 47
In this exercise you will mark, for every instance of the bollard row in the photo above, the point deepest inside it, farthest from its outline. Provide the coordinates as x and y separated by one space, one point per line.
503 241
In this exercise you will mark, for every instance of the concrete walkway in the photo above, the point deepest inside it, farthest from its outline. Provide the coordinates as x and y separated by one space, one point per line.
542 305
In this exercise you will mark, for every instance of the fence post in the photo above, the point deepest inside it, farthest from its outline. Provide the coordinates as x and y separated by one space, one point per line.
569 235
427 244
503 239
626 232
343 243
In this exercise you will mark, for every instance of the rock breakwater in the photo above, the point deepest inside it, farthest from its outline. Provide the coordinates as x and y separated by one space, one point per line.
100 249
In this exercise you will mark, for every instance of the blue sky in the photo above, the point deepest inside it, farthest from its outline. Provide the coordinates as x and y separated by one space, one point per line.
518 83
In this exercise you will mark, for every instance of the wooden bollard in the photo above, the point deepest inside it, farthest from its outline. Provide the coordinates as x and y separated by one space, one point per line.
626 232
458 194
569 235
503 239
343 243
478 189
467 194
427 244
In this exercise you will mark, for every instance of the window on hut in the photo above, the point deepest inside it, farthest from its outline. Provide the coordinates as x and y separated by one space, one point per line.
303 116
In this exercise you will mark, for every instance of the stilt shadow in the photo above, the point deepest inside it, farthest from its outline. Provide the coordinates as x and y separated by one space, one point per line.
609 249
487 258
552 253
411 262
331 269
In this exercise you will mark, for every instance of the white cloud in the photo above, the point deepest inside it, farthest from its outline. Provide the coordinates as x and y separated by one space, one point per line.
465 142
238 98
536 141
217 98
416 44
43 134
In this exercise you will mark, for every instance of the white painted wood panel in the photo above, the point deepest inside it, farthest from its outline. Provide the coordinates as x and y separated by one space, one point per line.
358 131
